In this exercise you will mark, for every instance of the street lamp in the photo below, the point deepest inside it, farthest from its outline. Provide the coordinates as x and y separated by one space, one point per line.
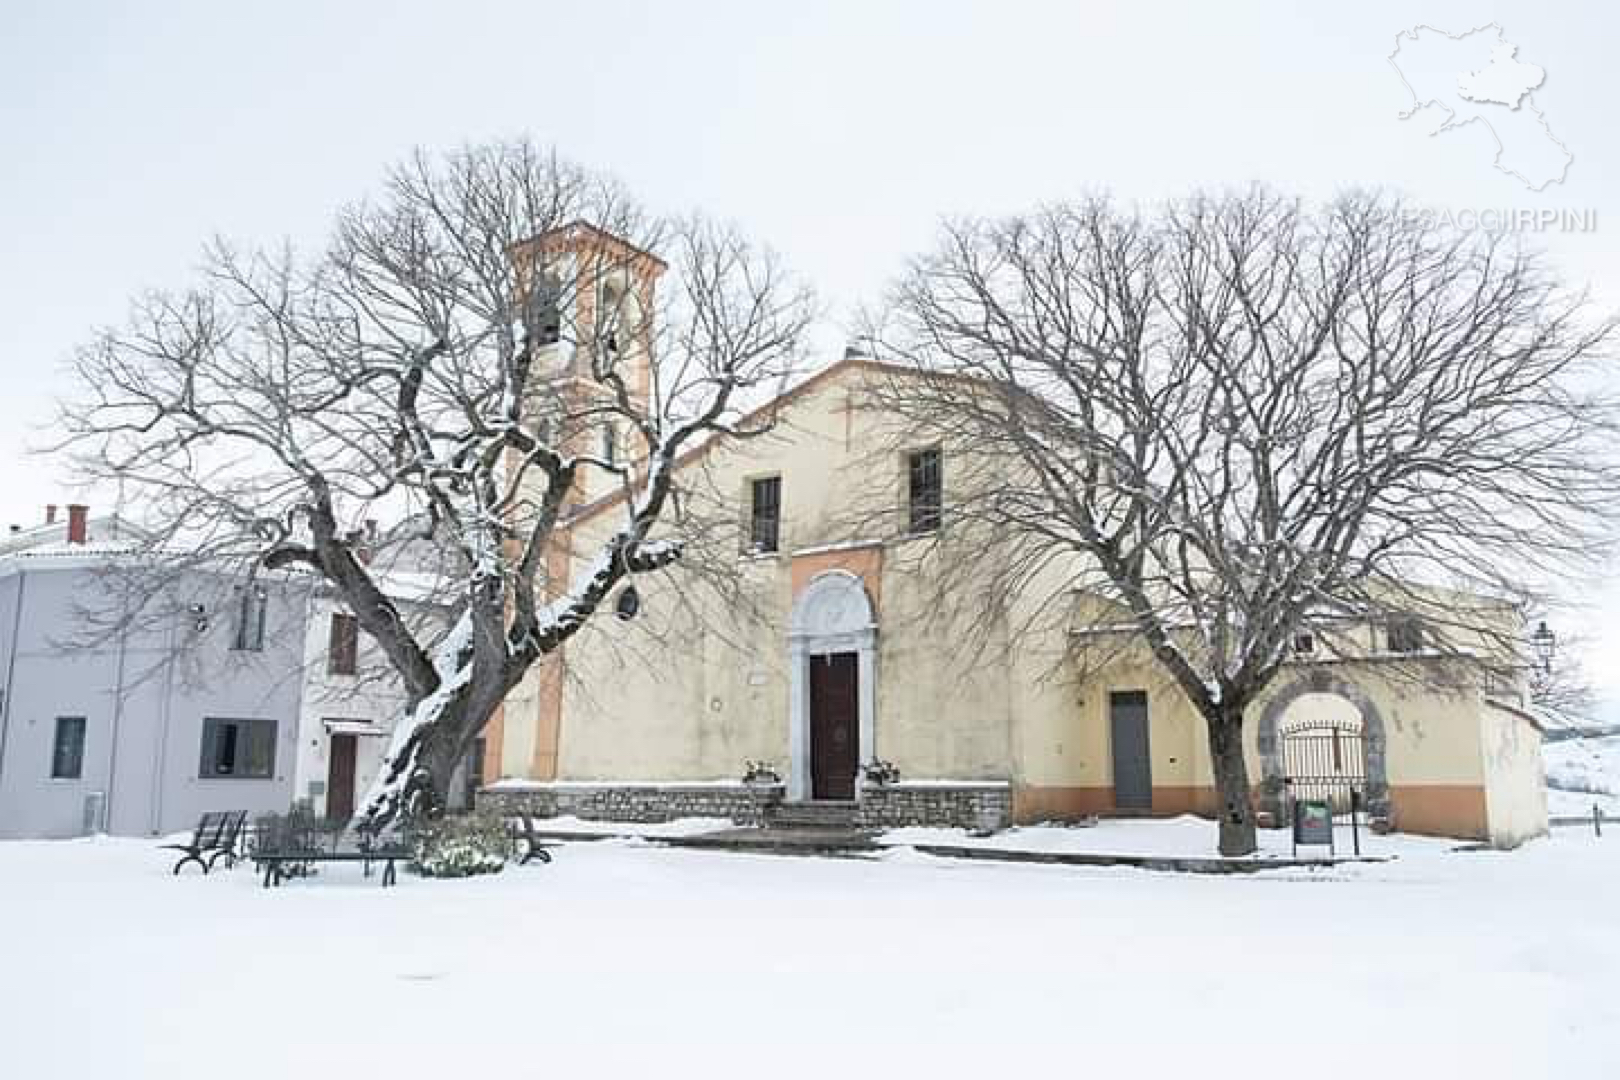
1544 642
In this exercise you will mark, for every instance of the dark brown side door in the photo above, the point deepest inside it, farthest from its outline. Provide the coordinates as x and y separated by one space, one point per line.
835 749
340 778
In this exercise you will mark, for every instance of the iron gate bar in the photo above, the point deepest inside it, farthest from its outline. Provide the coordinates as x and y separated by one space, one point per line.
1324 762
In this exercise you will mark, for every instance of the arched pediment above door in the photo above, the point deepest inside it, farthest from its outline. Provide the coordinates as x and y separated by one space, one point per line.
834 604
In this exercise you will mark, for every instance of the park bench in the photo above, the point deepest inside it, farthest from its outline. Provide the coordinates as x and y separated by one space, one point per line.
526 842
215 838
292 846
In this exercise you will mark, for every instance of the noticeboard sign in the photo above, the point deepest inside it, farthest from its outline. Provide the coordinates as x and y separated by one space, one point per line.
1313 822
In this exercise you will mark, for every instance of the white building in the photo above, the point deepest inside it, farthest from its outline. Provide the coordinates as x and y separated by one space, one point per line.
231 694
137 727
351 697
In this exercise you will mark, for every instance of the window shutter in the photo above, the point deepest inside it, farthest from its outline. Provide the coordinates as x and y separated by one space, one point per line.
342 644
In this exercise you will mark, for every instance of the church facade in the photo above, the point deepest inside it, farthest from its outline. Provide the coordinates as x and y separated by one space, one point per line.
799 660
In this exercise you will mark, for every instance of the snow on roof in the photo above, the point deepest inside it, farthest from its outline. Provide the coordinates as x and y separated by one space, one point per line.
109 531
398 585
64 556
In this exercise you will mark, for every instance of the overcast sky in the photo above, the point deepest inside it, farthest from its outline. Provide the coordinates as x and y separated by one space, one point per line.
838 133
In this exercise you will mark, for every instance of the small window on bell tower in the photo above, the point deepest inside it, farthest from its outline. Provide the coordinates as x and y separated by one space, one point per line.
545 311
611 317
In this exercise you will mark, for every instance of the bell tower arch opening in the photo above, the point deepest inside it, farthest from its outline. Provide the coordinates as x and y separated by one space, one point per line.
587 299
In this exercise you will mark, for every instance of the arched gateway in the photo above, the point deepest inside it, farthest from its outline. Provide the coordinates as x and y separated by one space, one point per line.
1274 767
832 641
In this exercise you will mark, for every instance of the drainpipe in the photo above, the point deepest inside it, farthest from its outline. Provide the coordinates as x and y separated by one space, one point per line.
117 723
11 674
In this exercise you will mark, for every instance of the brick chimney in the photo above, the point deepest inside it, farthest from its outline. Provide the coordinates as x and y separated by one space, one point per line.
78 530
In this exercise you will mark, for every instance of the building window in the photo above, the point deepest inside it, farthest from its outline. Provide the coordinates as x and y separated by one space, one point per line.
924 491
765 514
545 311
343 645
67 751
238 750
1405 635
610 444
1304 644
250 610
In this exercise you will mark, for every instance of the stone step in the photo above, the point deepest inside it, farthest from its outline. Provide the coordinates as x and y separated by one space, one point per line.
814 814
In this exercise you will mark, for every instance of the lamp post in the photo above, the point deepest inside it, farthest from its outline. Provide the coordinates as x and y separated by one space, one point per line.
1544 642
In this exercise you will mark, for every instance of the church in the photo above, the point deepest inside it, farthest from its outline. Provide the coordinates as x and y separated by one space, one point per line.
798 666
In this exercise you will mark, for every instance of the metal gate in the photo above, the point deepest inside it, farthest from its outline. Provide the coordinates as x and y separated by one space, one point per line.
1325 761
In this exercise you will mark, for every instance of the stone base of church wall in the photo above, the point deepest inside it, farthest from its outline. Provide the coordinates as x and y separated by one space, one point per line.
979 806
746 804
982 806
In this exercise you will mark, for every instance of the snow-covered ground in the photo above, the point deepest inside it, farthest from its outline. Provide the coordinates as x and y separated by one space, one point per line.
1579 804
623 959
1183 837
1583 771
689 826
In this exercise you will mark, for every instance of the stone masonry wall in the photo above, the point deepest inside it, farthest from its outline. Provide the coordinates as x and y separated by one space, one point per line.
979 806
969 806
642 804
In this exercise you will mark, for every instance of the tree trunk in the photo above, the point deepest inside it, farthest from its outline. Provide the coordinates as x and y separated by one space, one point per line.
1236 810
431 741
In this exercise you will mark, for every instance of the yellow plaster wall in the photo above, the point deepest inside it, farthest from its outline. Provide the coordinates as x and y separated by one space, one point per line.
690 690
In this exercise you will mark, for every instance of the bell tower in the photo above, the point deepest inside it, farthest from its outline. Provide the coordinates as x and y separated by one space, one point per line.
589 298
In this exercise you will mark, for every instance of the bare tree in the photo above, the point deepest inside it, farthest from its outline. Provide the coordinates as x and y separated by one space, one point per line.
1236 418
478 351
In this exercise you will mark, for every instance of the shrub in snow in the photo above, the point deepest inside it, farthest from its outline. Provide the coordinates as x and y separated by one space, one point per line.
462 846
882 773
760 772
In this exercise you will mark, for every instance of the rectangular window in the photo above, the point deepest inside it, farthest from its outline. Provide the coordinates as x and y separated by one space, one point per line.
610 444
343 645
238 750
251 605
924 491
1405 635
765 514
67 751
545 311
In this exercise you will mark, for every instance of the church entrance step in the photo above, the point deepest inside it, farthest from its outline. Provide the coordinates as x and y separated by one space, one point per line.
818 815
